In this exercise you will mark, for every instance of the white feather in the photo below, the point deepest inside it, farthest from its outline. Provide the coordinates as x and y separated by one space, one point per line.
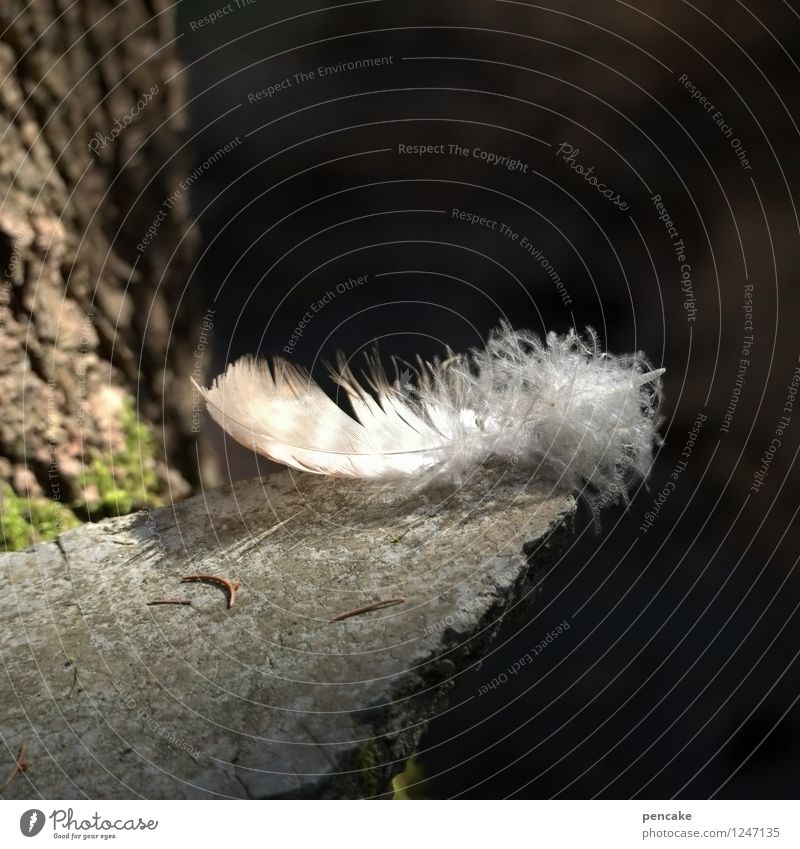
562 406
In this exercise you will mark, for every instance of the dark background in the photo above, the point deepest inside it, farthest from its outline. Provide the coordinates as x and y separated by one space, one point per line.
679 673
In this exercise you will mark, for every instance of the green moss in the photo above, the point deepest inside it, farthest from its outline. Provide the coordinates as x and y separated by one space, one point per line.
24 521
126 480
410 784
118 483
366 762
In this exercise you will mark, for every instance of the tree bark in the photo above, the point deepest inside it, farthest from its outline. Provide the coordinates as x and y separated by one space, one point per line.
95 351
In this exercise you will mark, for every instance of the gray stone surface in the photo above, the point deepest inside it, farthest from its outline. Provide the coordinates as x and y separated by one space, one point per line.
119 699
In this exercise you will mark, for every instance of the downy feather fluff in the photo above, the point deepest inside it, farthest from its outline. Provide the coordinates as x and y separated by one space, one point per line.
560 406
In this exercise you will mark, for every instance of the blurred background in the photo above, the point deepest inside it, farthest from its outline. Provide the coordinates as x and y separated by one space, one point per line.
679 673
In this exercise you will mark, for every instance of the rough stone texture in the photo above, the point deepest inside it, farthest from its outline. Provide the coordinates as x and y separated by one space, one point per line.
269 698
